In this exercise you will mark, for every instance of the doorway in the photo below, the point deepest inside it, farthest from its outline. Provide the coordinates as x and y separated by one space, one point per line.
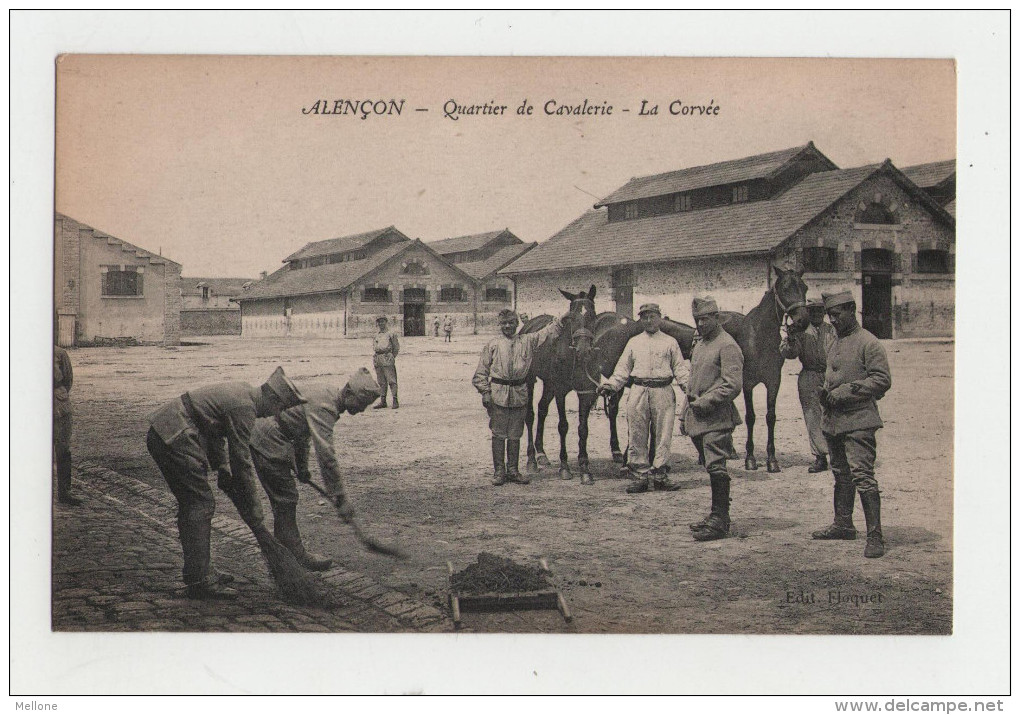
414 312
876 292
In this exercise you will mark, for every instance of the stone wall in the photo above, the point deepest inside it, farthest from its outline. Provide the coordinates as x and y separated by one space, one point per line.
210 322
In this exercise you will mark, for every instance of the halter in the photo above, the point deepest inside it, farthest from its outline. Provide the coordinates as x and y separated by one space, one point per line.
783 311
576 335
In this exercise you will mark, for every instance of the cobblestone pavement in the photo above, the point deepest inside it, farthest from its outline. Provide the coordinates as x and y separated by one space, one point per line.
117 567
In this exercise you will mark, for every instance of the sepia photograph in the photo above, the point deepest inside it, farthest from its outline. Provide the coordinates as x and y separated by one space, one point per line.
444 346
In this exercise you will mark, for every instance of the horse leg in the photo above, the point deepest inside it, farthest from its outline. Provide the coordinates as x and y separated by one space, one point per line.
584 404
564 427
543 412
750 463
612 411
771 463
529 421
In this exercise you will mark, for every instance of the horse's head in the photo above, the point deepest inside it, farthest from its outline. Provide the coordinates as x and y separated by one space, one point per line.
581 319
790 292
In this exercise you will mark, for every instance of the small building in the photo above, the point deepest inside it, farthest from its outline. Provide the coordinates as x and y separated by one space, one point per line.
207 308
109 291
716 230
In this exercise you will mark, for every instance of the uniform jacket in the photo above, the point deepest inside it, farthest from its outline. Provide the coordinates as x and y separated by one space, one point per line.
811 346
649 356
510 359
224 417
386 346
285 439
856 375
717 374
63 376
448 325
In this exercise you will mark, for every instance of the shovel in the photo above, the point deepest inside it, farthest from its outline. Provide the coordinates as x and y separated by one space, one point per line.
367 541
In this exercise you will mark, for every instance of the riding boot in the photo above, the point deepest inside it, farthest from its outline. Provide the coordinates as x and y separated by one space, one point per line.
396 403
717 526
513 454
872 504
821 465
498 463
381 404
199 578
285 529
842 527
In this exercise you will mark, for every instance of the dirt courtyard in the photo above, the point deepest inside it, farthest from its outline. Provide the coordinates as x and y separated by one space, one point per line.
419 477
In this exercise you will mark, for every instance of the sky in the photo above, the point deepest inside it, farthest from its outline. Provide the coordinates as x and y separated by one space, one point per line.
220 164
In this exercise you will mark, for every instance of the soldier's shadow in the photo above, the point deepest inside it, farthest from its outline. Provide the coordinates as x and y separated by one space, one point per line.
909 535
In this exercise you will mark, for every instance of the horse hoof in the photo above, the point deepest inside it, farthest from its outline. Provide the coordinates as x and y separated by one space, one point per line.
543 460
618 457
587 479
773 466
565 473
750 464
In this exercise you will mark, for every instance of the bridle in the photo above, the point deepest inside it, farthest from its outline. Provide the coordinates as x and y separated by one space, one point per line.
783 311
578 334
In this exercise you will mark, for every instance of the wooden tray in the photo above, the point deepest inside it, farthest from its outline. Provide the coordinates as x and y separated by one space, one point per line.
507 601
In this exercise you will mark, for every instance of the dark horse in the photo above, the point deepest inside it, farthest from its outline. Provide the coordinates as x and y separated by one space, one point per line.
567 364
758 334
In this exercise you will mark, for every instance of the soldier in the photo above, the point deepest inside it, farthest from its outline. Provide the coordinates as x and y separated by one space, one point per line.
650 362
811 346
279 448
63 376
501 378
209 429
856 375
717 367
435 325
447 329
386 346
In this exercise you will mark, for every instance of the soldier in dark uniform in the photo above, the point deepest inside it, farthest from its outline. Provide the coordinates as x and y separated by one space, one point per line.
63 376
279 449
717 368
208 430
856 376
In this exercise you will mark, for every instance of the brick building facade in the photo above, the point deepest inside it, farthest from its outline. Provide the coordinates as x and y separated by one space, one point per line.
717 229
108 290
207 307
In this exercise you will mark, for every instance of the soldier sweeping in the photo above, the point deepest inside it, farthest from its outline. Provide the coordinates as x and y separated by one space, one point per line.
501 378
650 361
209 428
811 345
856 376
279 448
717 367
385 346
63 377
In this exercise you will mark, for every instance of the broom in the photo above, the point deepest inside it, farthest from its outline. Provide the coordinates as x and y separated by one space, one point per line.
298 586
367 541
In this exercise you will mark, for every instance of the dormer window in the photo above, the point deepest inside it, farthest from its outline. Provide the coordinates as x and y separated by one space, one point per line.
205 292
740 194
414 268
630 210
682 202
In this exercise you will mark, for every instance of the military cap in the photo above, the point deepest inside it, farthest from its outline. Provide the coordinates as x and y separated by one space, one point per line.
814 302
650 308
363 386
381 319
843 297
507 314
283 388
704 306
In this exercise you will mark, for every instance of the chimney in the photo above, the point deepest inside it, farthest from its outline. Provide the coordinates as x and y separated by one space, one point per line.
262 275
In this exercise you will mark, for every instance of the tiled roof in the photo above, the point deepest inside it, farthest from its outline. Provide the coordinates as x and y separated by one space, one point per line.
933 174
482 269
342 244
464 243
319 279
219 286
697 177
753 227
125 246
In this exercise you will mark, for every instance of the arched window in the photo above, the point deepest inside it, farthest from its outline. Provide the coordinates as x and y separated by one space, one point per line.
415 267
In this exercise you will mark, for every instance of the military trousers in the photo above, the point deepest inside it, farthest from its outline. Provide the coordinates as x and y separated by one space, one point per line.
648 407
507 422
277 478
852 457
809 382
716 447
386 375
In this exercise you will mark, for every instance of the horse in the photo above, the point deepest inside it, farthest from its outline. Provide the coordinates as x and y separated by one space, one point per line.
566 364
758 334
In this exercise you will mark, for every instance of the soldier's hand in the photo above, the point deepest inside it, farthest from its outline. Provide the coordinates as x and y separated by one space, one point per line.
698 407
344 508
605 389
486 400
840 395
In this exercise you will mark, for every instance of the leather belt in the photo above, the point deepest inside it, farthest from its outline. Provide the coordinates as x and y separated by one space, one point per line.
511 383
653 381
190 411
813 369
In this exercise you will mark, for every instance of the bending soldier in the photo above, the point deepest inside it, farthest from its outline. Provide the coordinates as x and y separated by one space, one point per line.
208 430
279 448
